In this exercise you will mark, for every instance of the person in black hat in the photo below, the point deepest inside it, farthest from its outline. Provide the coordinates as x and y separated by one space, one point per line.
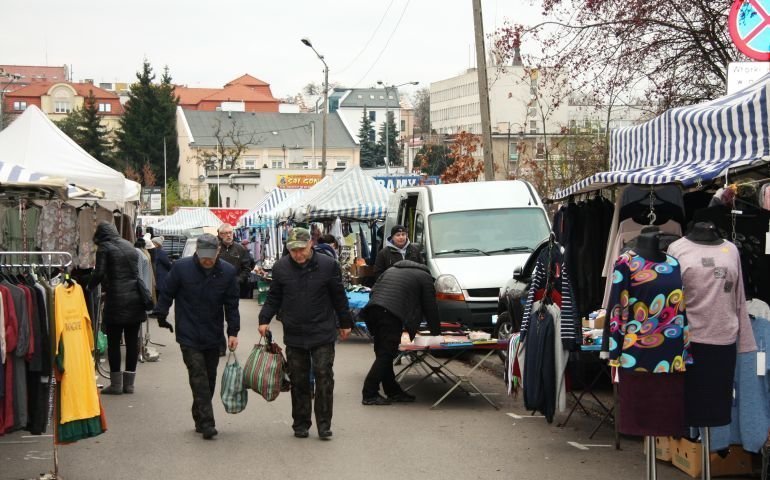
205 290
397 247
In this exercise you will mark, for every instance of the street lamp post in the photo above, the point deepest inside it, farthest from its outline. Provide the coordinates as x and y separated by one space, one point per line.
13 78
387 120
306 42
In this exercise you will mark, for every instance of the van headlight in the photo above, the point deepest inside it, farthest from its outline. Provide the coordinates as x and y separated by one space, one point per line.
448 288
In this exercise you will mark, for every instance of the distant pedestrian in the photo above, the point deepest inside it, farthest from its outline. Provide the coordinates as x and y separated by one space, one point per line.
397 247
162 264
117 271
402 296
235 254
205 290
327 245
307 289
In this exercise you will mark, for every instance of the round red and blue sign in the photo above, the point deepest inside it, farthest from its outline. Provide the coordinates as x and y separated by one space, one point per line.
749 23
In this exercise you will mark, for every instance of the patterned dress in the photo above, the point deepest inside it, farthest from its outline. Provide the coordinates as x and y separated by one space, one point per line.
648 325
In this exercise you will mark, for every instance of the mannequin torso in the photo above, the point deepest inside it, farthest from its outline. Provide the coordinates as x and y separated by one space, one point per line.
704 233
648 247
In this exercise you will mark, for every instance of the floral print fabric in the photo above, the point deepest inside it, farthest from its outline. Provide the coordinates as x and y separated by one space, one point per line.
648 325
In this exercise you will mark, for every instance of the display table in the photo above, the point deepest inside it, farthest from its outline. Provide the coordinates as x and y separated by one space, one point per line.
608 411
422 357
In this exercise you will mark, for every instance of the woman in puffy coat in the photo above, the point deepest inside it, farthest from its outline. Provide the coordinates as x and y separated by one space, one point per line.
116 270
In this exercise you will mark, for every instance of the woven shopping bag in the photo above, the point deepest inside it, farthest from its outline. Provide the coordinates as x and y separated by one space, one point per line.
234 394
263 372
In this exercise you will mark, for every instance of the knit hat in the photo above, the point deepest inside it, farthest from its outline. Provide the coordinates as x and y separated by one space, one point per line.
397 229
158 240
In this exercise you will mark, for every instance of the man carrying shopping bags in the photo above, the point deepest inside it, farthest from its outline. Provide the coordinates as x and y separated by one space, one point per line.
307 288
206 293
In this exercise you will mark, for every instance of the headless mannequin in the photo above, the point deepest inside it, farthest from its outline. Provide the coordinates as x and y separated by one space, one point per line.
704 233
647 246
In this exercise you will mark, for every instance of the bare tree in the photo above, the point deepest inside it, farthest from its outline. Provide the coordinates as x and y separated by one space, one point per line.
231 140
673 51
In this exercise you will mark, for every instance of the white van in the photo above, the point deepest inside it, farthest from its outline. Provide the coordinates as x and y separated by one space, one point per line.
473 236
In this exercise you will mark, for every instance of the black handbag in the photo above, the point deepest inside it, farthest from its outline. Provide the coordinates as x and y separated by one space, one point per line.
144 295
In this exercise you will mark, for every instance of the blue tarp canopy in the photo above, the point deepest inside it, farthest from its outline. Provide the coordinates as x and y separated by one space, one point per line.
688 144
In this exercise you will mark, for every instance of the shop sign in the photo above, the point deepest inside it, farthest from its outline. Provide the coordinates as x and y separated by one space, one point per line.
297 181
151 199
401 181
742 74
749 25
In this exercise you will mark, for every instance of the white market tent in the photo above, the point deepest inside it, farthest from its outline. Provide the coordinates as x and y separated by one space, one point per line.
352 195
269 202
185 221
33 141
296 209
689 144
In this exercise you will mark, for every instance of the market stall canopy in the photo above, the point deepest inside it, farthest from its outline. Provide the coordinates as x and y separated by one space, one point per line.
185 220
689 144
353 195
34 142
17 178
274 215
268 202
296 209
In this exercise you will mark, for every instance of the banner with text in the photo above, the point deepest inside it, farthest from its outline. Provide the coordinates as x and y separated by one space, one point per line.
297 181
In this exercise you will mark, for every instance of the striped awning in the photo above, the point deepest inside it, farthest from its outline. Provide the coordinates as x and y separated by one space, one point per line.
268 203
352 195
689 144
185 220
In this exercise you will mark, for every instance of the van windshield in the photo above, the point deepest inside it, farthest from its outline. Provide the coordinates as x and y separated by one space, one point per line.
487 232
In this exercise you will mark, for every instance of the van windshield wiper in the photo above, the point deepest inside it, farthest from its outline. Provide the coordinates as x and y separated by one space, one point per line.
511 249
461 250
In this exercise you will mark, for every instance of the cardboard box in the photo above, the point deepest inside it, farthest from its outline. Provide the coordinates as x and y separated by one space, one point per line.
686 456
362 270
662 448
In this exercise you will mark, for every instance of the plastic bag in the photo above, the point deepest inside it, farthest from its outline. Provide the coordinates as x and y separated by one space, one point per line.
265 371
234 395
101 342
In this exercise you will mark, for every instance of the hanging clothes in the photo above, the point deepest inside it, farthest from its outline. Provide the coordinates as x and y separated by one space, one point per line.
20 227
58 230
539 364
551 279
79 409
88 218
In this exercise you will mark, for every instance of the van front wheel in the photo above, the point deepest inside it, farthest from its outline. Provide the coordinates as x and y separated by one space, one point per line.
504 326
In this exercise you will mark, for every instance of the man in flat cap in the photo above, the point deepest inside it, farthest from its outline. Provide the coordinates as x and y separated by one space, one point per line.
205 290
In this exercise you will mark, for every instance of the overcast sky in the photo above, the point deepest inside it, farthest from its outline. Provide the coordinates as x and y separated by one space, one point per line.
208 43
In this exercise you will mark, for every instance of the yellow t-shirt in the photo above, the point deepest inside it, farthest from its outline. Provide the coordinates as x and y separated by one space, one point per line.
79 398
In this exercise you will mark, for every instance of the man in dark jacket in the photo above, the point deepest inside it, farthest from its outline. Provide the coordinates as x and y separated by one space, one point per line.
399 299
397 247
236 255
205 289
307 289
117 270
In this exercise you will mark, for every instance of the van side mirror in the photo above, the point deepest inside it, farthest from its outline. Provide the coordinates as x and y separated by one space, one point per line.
517 272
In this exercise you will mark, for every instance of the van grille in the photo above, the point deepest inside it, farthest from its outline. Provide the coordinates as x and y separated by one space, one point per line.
483 292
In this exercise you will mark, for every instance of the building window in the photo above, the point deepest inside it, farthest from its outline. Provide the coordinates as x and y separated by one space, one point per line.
105 107
372 116
62 107
572 126
533 126
19 106
540 150
249 163
341 164
403 125
276 162
371 136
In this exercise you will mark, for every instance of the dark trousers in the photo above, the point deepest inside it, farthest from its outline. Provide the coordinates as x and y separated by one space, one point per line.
202 372
131 335
299 365
386 330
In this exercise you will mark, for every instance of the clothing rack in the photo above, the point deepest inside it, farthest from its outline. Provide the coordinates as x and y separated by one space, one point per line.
63 260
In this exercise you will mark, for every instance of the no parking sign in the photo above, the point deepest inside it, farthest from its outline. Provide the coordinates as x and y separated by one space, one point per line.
749 23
